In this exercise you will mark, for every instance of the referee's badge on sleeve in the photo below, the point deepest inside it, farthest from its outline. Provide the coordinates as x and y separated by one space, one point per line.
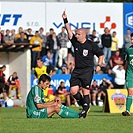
85 52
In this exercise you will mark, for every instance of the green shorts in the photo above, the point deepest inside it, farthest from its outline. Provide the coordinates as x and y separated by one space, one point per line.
129 84
42 113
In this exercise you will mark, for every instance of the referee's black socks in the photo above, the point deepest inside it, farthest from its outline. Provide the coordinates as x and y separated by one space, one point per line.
79 98
86 102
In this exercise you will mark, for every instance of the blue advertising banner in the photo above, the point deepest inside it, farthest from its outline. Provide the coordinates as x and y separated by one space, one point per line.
128 16
57 78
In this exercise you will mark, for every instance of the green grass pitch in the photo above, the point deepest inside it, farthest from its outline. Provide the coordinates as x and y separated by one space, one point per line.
13 120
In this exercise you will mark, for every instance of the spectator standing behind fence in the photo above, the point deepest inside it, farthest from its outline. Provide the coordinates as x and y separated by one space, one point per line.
114 44
20 29
119 80
63 38
48 61
14 82
87 33
3 32
116 59
44 40
127 39
106 40
12 37
51 31
54 45
21 39
94 38
1 38
70 62
49 37
29 34
35 51
7 38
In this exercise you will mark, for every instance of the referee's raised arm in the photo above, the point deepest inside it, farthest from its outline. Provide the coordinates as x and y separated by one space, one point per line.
69 31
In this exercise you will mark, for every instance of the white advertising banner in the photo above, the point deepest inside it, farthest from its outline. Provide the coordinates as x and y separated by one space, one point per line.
94 15
48 15
24 14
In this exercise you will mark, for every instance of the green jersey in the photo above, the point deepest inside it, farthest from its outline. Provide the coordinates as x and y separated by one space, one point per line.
34 97
129 58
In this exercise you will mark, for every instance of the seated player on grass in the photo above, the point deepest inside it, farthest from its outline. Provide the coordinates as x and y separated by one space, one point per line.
36 107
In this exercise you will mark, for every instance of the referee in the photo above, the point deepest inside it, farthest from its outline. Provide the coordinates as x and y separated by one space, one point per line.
82 74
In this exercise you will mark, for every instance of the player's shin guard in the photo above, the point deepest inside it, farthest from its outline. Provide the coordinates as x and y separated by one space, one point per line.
66 112
86 103
128 103
79 98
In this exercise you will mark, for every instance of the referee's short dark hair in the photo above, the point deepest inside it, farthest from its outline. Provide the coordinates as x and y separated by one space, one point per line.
131 34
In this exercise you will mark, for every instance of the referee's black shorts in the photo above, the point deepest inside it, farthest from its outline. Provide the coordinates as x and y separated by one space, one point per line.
82 77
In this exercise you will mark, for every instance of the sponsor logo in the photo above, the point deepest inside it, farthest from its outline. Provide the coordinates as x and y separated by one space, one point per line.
92 25
76 25
85 52
119 99
9 18
56 82
37 98
36 113
108 19
129 19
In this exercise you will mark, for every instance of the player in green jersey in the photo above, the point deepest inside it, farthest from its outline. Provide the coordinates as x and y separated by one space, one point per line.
129 78
36 107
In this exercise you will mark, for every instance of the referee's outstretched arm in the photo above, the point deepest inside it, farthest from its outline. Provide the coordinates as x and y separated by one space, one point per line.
69 31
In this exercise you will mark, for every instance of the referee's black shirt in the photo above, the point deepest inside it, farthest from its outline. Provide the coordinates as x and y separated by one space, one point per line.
84 53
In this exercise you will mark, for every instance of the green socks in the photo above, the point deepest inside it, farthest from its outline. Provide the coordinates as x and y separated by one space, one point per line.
128 103
66 112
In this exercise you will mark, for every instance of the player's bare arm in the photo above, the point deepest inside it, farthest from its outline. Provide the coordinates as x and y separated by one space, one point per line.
46 105
68 28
